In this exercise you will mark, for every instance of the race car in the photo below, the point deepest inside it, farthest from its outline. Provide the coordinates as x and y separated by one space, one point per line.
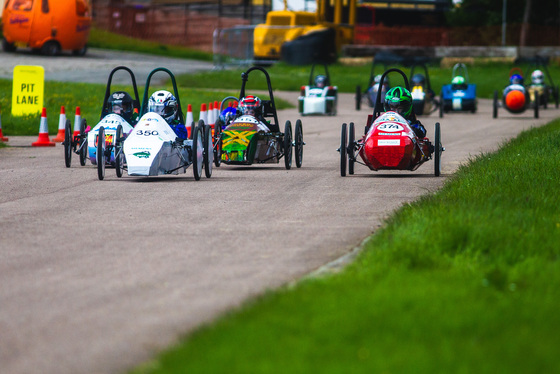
254 135
318 97
424 99
515 96
389 142
460 95
373 85
542 83
118 108
153 147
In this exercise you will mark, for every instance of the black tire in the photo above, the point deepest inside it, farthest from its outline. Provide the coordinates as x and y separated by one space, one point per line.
83 146
8 47
358 97
441 105
350 148
119 153
100 154
80 52
537 104
342 150
208 151
495 106
545 99
437 150
68 143
298 143
197 151
288 145
218 143
50 48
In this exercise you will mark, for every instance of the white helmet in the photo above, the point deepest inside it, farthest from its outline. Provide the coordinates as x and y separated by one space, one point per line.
163 103
537 77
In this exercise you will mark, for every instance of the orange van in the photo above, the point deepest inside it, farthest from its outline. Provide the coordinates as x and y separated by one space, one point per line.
48 26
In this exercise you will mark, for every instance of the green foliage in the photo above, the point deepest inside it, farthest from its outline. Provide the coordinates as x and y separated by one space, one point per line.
463 281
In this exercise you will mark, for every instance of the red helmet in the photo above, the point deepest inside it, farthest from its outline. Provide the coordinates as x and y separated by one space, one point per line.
251 105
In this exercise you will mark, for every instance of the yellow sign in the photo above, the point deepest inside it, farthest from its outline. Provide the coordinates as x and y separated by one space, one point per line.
27 90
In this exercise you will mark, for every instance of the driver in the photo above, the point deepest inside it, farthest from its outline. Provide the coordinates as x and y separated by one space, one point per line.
398 99
121 103
516 79
537 78
165 104
321 81
458 83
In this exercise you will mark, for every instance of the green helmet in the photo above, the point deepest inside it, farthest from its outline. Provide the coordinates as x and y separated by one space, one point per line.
458 80
399 99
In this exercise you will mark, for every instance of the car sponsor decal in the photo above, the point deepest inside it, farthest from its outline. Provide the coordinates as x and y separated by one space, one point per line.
389 133
236 137
143 154
108 139
382 142
390 127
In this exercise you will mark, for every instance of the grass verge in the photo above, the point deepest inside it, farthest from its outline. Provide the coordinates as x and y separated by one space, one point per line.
462 281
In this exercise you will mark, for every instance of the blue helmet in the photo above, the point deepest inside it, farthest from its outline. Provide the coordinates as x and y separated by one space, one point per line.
516 79
228 115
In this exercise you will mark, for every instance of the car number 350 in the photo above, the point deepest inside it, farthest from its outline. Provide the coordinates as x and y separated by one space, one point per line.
147 132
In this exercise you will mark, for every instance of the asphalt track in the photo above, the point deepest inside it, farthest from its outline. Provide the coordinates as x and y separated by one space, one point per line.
97 276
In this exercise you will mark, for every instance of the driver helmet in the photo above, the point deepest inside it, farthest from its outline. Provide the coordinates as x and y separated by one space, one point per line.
250 105
537 77
418 80
458 82
516 79
227 115
165 104
121 103
321 81
399 99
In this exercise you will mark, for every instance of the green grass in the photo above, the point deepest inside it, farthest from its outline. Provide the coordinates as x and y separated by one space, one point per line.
107 40
488 76
463 281
89 97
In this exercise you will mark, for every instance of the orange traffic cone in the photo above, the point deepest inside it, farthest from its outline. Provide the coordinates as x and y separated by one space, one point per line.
43 140
216 111
77 121
203 113
2 137
210 114
190 119
61 125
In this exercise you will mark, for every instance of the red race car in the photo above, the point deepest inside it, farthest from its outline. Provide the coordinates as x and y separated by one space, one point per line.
516 98
389 142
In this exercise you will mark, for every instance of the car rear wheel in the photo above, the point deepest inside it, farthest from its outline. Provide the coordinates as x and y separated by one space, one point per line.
218 143
68 143
208 151
437 150
83 148
495 106
50 48
298 143
350 148
197 151
100 155
537 104
118 149
7 46
342 150
358 97
288 145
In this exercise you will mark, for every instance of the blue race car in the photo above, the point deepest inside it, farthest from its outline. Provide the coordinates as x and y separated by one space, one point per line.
460 95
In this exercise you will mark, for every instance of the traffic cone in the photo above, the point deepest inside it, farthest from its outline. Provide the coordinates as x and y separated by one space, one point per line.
61 126
190 119
43 140
203 113
77 121
210 114
216 111
2 137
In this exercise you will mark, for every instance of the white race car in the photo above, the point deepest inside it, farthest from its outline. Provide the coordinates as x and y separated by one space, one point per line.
153 148
318 97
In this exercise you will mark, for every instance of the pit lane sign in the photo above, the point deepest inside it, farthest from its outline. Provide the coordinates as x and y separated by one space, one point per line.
27 90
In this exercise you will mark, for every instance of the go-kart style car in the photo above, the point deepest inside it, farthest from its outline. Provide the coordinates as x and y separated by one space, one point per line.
459 95
318 97
84 142
515 96
389 142
153 148
542 83
423 97
248 139
373 85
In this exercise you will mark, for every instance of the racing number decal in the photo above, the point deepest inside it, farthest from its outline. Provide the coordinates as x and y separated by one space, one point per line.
147 132
390 127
